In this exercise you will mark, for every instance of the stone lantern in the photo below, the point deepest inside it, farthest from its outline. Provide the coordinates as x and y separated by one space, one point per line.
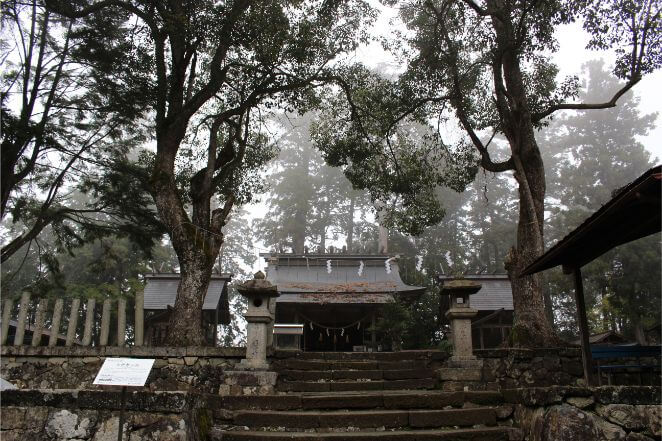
260 294
460 314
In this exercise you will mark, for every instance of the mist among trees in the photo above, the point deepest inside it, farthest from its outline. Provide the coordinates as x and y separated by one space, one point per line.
135 138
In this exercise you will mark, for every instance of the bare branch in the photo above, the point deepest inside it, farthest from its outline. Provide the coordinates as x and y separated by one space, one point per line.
584 106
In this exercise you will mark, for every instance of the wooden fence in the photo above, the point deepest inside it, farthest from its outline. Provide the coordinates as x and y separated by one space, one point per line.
70 338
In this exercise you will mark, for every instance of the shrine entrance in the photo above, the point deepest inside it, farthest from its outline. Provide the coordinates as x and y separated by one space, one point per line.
337 298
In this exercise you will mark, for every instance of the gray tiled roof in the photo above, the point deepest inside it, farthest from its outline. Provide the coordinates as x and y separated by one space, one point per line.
161 290
496 292
343 298
305 279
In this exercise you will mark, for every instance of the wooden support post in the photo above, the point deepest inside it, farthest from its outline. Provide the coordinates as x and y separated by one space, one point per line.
73 322
587 359
55 325
140 320
297 338
121 322
22 317
39 322
89 321
105 323
6 316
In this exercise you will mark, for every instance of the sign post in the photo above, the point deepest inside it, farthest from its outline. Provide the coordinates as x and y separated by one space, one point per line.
123 372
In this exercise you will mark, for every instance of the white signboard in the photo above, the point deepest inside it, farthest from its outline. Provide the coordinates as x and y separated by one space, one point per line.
124 371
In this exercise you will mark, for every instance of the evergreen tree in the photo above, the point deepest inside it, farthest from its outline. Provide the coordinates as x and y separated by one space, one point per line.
213 69
591 155
58 129
309 202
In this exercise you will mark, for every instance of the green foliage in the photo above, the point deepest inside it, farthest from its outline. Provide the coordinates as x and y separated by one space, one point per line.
400 164
65 111
392 323
469 65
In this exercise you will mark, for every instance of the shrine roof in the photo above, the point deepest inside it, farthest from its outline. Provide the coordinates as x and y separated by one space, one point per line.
309 278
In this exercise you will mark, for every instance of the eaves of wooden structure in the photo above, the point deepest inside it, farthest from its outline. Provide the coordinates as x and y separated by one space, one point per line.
634 212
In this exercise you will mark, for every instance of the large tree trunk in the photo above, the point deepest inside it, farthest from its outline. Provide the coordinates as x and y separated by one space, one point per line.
185 323
530 327
195 251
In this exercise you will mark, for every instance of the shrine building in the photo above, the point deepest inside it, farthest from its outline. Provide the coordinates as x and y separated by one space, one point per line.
337 297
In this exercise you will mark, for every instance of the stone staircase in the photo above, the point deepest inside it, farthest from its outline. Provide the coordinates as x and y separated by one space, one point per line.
338 371
373 396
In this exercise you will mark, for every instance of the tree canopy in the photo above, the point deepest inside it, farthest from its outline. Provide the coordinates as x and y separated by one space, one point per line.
212 71
60 130
474 70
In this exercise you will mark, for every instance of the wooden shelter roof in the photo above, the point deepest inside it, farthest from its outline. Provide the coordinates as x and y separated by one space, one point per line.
634 212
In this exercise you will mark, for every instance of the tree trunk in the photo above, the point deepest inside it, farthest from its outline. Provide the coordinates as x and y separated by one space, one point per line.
322 249
185 323
531 327
195 261
299 235
639 334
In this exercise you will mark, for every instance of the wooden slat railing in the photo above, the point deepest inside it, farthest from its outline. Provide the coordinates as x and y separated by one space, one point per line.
72 336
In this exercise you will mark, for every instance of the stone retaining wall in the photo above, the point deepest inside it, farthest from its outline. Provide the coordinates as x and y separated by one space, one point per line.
184 369
513 368
33 415
617 413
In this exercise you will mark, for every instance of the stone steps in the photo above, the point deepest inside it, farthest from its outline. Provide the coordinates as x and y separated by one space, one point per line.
420 399
374 396
343 374
362 356
367 385
321 365
477 434
390 419
339 371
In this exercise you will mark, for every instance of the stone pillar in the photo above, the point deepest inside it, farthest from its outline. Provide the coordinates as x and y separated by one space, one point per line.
89 322
121 322
270 326
259 293
39 322
105 323
22 318
73 322
6 316
252 375
460 314
55 324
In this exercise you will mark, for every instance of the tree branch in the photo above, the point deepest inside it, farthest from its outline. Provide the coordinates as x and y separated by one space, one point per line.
583 106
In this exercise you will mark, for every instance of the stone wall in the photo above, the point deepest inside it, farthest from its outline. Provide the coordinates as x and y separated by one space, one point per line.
198 369
512 368
32 415
617 413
